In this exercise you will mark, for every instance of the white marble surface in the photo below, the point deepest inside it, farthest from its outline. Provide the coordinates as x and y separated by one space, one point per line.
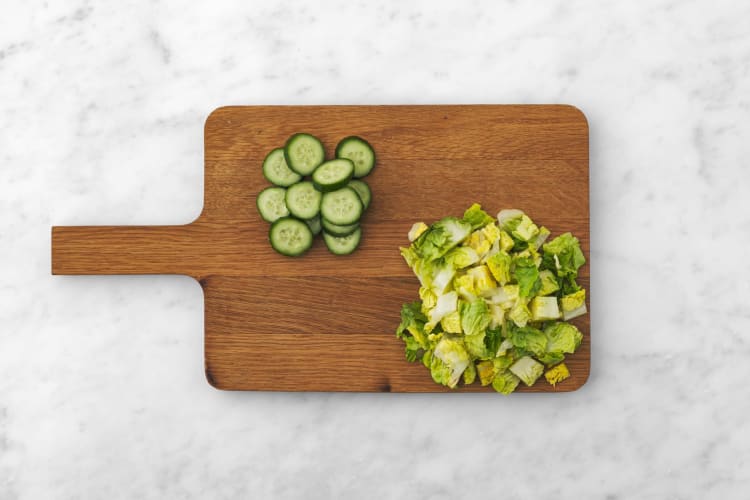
102 393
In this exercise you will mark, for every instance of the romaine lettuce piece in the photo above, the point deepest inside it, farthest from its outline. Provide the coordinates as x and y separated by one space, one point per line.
461 257
525 230
509 218
492 233
506 296
470 374
499 266
549 282
416 230
486 372
506 242
505 382
464 285
411 329
574 304
497 315
526 275
475 317
477 217
527 369
446 304
557 374
544 309
429 299
449 360
451 322
563 255
529 339
541 237
550 358
563 337
483 281
520 314
441 237
479 243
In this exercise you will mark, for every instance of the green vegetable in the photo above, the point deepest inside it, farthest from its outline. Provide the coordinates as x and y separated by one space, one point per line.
527 369
449 360
296 198
505 382
494 298
477 217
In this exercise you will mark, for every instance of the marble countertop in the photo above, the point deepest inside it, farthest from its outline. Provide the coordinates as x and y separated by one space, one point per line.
102 391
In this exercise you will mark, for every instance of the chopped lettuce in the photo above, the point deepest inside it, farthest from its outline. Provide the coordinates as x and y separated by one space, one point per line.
499 266
494 300
527 369
449 360
573 304
526 274
441 237
505 382
477 217
529 339
417 229
475 317
446 304
563 337
557 374
461 257
563 255
548 283
544 309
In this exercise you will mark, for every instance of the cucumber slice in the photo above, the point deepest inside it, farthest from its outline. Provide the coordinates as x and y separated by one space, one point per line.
341 207
314 225
303 200
359 151
276 171
332 175
303 153
342 245
363 190
290 236
271 204
337 230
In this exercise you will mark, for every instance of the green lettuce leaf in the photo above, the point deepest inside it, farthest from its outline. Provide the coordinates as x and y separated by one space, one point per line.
526 275
562 337
563 255
529 339
499 265
441 237
477 217
475 317
505 382
449 360
527 369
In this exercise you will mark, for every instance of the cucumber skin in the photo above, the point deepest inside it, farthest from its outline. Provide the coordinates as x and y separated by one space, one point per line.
336 252
275 183
297 215
287 254
366 204
334 232
260 212
286 152
356 196
358 138
338 185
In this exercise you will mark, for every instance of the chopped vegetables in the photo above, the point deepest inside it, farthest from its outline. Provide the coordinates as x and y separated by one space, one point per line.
495 297
329 200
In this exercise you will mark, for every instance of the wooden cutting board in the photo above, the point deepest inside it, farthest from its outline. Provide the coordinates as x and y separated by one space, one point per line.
327 323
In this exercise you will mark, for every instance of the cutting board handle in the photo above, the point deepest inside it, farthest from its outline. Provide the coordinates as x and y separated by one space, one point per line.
122 250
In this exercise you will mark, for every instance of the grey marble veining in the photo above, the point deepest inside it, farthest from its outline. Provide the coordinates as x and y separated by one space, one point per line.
102 393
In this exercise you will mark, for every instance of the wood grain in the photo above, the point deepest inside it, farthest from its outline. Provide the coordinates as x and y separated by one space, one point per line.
326 323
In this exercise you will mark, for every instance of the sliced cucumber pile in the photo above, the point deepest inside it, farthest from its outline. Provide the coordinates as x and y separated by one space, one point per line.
311 195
